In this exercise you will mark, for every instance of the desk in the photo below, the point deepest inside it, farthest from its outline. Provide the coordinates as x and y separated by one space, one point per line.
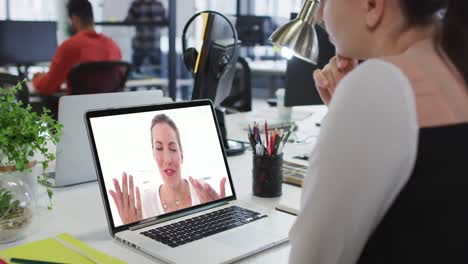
156 82
33 92
305 117
132 24
268 67
129 84
132 83
273 70
78 210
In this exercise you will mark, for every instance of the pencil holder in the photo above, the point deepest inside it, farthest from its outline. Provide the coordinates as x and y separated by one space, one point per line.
267 175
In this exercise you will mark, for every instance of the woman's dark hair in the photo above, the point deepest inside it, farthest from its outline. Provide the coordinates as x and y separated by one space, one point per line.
82 9
162 118
453 35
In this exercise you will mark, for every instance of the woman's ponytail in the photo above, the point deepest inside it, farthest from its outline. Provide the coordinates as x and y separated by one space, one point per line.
454 35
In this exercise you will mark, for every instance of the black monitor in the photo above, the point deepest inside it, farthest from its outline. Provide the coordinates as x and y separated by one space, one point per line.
27 42
217 42
254 30
207 85
300 85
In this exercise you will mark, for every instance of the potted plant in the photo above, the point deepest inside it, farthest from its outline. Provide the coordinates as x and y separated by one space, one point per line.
23 135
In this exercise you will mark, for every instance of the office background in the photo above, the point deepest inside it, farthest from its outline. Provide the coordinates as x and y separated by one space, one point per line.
268 74
264 80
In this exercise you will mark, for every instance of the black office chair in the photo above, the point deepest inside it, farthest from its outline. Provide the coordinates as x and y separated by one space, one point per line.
9 80
99 77
240 98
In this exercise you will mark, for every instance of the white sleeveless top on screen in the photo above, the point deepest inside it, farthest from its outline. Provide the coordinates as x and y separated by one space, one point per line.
151 204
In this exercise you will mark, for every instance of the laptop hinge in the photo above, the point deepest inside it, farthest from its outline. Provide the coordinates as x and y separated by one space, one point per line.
168 218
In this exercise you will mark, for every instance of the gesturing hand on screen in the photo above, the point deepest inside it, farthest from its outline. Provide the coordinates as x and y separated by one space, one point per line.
127 200
206 193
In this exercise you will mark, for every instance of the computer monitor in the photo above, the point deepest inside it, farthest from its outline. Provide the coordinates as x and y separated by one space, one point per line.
254 30
217 42
27 42
300 85
207 84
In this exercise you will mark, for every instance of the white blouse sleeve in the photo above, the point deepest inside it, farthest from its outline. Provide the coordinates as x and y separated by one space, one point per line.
364 156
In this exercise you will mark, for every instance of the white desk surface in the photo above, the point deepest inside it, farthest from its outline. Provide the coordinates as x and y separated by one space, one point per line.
78 210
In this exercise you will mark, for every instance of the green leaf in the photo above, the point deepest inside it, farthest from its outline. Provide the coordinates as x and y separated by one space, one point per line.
24 133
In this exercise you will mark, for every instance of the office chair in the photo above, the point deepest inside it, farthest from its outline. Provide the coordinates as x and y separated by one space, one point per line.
99 77
9 80
240 99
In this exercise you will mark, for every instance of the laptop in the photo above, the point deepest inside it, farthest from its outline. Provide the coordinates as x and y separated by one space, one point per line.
220 230
74 163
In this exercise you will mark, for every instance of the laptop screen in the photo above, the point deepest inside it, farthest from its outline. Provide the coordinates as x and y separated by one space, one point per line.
160 161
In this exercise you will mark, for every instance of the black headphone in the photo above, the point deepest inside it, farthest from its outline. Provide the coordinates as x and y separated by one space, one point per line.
190 55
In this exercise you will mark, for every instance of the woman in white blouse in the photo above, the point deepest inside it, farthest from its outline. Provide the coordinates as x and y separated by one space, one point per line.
386 182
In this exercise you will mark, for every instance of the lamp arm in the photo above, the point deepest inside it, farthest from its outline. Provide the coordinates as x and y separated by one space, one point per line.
309 11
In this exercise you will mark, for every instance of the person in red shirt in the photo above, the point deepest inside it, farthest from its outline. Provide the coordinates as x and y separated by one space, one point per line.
85 46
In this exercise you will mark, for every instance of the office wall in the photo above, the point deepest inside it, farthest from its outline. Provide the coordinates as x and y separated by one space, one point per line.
114 9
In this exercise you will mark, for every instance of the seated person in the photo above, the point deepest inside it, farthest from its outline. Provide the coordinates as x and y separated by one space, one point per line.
85 46
387 180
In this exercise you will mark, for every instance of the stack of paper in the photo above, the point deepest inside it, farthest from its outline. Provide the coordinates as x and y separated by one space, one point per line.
291 200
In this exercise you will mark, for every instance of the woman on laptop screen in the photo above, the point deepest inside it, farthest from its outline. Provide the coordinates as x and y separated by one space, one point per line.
175 192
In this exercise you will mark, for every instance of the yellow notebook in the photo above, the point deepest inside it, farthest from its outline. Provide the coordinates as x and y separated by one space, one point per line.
54 251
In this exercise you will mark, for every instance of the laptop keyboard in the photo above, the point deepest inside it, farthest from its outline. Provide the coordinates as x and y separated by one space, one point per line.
205 225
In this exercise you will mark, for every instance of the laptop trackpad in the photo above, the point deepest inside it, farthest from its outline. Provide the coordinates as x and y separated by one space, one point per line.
250 238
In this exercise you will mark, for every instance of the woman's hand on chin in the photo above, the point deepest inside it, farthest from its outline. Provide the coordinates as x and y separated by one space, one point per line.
206 193
327 79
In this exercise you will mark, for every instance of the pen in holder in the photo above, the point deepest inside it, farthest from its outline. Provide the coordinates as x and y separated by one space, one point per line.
267 169
267 175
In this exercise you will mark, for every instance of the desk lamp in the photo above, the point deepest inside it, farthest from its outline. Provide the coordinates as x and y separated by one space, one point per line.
298 37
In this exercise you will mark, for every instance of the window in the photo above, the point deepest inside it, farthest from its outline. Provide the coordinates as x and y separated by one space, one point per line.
226 6
277 8
40 9
33 10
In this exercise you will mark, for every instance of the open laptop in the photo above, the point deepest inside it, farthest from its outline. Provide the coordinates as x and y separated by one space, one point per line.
220 231
74 162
